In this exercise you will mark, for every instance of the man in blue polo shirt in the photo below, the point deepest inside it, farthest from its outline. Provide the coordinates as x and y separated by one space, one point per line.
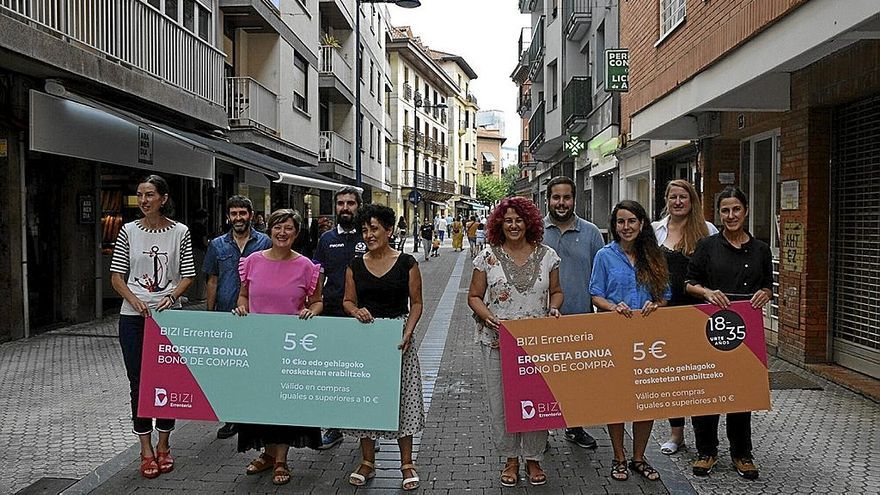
221 264
576 241
336 248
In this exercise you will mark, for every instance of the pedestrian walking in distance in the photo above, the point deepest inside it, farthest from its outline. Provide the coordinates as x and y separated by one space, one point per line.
221 265
152 266
385 283
576 242
731 265
514 232
278 281
677 233
629 276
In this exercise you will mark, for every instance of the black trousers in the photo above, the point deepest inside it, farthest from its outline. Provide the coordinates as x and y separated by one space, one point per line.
131 339
739 433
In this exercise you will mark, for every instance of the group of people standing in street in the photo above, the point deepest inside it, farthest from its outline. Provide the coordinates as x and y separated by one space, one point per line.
532 267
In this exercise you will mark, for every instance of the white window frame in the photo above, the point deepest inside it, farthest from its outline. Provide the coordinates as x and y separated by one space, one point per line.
299 60
672 15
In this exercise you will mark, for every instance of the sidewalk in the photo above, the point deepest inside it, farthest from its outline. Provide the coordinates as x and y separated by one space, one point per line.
64 399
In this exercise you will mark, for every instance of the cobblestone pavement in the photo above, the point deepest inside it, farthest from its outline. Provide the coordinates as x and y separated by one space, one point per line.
64 401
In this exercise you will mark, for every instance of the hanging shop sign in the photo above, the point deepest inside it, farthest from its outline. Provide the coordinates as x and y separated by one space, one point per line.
145 146
617 69
575 146
86 213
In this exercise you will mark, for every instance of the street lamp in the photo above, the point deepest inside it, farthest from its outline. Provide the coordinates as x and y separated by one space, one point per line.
358 126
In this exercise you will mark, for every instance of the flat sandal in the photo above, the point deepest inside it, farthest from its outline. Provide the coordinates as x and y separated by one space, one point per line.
358 479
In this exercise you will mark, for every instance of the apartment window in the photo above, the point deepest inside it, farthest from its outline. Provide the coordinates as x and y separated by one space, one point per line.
406 74
372 73
363 126
361 66
204 22
600 55
372 148
553 76
555 8
467 151
171 8
189 14
671 15
300 83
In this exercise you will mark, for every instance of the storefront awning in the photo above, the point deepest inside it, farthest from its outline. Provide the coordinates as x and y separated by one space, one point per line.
472 205
488 157
438 203
308 181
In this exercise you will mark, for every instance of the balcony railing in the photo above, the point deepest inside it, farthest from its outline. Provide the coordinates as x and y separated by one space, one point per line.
488 167
407 91
134 34
409 136
524 155
577 15
417 98
536 127
536 49
250 104
334 148
335 64
525 103
425 182
472 99
577 100
443 115
525 40
464 191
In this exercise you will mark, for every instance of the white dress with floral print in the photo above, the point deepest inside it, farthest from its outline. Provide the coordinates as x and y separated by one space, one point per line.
514 292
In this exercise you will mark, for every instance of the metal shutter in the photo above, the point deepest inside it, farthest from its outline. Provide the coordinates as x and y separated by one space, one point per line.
855 239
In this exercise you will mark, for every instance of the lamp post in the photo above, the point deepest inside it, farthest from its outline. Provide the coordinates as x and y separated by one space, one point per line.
358 126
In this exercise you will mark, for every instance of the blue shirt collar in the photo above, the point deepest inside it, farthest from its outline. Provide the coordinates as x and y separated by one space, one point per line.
230 238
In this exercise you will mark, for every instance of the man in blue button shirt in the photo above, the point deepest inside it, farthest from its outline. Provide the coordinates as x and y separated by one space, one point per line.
221 264
336 248
576 241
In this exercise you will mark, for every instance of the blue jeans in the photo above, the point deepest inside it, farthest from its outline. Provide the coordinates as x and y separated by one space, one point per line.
131 339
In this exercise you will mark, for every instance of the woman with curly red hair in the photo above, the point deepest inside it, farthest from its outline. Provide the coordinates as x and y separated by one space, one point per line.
515 277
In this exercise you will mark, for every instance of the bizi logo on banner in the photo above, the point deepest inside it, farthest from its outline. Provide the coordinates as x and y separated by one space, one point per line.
528 409
161 397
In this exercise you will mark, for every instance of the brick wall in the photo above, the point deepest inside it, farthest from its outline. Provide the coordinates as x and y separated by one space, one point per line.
710 31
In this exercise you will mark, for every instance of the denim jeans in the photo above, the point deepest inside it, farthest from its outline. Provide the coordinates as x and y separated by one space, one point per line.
131 339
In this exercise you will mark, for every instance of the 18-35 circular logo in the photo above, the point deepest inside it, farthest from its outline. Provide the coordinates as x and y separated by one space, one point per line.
725 330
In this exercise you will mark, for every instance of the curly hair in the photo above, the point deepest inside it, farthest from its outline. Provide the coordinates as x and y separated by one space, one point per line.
651 269
523 207
383 214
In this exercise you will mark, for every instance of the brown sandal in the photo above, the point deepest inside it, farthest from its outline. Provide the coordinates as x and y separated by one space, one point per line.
510 473
165 461
149 468
260 464
281 474
538 477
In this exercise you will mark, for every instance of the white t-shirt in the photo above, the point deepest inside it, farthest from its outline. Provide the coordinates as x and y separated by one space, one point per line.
154 260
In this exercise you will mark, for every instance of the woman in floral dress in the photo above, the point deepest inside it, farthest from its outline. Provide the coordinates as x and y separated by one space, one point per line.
515 277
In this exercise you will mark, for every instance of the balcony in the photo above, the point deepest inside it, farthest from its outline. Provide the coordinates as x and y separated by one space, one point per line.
524 155
577 102
464 191
250 104
335 75
522 67
417 98
443 116
334 148
522 186
335 13
137 35
524 104
536 127
536 51
428 183
472 99
488 168
407 91
527 6
409 137
577 15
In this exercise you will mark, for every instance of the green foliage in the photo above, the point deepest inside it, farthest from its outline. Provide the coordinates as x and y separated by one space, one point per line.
491 189
510 176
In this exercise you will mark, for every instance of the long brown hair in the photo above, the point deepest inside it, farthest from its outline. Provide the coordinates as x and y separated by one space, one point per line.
694 226
651 269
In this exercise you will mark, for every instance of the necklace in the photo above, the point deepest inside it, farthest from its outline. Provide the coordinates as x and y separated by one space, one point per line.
521 277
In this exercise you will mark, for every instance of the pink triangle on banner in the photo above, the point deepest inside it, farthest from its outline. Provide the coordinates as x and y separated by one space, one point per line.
532 406
168 389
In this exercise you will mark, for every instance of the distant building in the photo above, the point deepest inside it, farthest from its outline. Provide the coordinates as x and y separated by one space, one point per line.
489 153
491 119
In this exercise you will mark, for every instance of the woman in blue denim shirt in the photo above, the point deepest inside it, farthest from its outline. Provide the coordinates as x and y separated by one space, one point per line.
629 275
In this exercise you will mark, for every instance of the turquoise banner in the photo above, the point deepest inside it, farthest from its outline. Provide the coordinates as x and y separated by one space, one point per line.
271 369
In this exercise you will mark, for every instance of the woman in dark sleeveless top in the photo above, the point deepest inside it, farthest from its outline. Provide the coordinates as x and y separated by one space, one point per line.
385 283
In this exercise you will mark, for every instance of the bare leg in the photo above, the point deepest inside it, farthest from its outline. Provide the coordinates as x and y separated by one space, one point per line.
163 445
615 431
147 445
405 444
641 433
368 453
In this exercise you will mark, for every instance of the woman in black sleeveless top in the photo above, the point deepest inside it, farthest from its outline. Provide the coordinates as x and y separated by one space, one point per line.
385 283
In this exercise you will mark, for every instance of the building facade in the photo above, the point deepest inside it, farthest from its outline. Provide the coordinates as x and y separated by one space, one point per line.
782 99
489 152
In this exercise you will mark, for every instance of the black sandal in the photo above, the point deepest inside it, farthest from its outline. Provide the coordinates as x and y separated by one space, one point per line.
646 470
619 471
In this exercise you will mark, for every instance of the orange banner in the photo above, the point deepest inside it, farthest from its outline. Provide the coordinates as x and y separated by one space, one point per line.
604 368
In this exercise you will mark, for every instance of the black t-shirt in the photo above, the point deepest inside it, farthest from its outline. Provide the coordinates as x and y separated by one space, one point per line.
678 269
386 296
718 265
427 231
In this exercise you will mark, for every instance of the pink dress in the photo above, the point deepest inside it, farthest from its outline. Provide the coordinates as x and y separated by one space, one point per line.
278 287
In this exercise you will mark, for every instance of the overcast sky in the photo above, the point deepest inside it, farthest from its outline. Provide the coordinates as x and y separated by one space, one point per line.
485 33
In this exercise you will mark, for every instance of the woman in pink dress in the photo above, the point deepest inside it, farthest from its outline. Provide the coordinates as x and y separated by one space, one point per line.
278 281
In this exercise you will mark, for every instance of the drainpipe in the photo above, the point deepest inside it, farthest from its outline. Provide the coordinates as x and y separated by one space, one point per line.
24 250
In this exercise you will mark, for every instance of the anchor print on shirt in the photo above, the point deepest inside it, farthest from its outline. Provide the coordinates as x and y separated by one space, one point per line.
160 268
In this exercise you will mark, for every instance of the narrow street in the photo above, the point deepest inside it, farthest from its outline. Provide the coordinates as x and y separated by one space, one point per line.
74 427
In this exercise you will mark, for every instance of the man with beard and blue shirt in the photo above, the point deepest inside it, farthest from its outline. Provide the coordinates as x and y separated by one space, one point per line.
576 241
336 248
221 264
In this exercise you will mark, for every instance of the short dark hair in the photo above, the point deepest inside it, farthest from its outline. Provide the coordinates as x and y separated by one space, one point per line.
281 216
383 214
561 179
162 188
732 192
350 190
239 202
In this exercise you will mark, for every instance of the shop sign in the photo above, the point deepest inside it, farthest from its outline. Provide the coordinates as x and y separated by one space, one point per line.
4 148
789 199
617 69
726 177
86 213
793 247
574 146
145 146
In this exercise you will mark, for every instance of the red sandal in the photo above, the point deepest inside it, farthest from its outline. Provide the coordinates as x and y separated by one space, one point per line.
165 461
149 469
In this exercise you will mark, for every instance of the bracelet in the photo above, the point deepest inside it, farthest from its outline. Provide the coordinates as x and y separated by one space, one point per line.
173 299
